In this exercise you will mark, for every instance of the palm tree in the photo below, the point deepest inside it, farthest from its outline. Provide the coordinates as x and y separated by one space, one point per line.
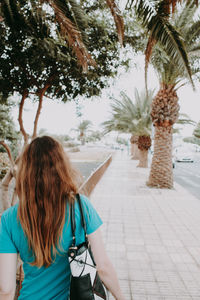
82 129
133 117
165 107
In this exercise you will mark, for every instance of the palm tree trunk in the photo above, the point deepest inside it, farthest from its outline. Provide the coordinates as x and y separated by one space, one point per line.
143 159
161 174
134 151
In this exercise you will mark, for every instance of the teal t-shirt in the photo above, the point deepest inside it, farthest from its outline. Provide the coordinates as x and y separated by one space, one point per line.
52 282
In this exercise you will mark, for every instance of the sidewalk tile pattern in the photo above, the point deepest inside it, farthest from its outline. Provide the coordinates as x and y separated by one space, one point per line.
152 235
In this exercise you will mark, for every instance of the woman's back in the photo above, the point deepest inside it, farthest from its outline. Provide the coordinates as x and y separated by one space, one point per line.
46 282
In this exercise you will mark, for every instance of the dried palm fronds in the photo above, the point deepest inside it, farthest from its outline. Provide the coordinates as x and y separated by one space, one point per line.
118 19
72 34
144 142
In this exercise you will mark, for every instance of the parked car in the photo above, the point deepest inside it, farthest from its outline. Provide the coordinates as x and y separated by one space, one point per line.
184 157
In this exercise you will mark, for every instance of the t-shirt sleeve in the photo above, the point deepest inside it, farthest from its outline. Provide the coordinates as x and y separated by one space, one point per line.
6 243
93 220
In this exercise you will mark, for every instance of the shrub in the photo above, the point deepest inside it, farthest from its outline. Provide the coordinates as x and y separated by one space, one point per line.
70 144
74 149
4 164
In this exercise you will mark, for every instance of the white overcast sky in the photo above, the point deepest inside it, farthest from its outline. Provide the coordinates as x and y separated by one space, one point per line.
59 118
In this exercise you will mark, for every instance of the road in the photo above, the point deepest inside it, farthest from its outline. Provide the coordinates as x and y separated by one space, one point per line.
86 168
188 175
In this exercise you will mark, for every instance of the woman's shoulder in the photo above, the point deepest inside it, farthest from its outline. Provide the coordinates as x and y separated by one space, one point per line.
92 218
11 212
85 201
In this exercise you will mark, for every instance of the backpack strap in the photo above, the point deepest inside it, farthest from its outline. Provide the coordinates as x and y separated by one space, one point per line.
73 224
82 216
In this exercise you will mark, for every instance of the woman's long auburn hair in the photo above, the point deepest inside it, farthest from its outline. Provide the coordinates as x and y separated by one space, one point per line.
45 182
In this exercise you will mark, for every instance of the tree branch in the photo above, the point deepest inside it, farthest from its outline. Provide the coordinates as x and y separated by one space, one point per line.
119 22
41 95
25 135
31 93
8 152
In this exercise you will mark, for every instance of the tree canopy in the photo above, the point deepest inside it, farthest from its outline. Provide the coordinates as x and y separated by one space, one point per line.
34 54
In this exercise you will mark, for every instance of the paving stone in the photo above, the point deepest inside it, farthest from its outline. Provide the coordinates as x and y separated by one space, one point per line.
151 235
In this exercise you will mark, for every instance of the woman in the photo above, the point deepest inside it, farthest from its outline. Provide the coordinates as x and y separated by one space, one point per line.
38 228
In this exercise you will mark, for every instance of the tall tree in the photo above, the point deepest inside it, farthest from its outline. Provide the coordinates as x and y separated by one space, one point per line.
82 130
165 106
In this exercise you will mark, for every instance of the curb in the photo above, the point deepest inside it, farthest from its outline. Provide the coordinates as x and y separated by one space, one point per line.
90 183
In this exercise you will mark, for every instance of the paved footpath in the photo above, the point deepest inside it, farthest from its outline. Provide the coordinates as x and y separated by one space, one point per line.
152 236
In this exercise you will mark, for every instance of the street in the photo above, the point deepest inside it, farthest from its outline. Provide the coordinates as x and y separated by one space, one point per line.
188 176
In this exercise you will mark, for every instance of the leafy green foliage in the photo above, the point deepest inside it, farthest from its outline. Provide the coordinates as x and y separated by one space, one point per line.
33 53
8 132
4 164
94 136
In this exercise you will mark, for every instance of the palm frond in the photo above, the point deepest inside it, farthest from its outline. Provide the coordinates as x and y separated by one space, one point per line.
148 51
12 14
165 66
119 22
163 32
71 33
185 15
130 117
194 51
165 5
185 119
193 33
7 6
79 18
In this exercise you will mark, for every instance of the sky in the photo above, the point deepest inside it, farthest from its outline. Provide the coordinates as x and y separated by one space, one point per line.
60 118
